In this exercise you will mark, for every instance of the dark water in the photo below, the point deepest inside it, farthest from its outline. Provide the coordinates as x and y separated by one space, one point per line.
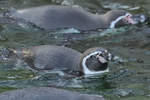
128 79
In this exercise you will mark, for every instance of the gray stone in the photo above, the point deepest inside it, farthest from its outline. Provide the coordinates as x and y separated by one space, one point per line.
46 93
124 92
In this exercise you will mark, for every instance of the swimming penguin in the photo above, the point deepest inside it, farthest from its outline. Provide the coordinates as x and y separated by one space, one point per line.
49 57
47 93
59 17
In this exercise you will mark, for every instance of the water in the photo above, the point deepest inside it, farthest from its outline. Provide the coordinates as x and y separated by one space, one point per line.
128 79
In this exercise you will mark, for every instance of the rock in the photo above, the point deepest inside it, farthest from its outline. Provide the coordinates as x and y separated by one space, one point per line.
124 92
140 60
46 93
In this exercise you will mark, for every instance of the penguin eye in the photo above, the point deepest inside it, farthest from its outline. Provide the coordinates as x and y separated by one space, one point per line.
102 54
97 54
128 16
92 56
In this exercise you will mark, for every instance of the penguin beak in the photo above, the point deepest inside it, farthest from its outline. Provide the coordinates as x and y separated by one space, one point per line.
129 20
139 18
134 19
102 59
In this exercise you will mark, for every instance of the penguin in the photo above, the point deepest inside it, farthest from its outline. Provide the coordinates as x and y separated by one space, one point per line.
46 93
50 57
52 17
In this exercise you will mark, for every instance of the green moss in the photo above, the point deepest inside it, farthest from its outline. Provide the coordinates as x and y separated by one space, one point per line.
3 89
15 74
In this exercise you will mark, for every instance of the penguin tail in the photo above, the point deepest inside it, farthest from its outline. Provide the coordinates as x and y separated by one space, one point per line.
5 20
5 54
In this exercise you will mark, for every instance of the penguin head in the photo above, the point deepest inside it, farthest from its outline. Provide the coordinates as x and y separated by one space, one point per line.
116 18
95 61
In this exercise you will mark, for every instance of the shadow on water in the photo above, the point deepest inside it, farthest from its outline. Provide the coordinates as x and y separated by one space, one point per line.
128 78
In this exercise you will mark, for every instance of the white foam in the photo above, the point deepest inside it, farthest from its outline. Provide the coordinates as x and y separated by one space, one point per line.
113 23
88 71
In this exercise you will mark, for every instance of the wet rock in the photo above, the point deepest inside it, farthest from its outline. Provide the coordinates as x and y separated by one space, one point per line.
128 92
45 93
123 92
2 38
67 2
140 60
116 6
57 1
148 95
